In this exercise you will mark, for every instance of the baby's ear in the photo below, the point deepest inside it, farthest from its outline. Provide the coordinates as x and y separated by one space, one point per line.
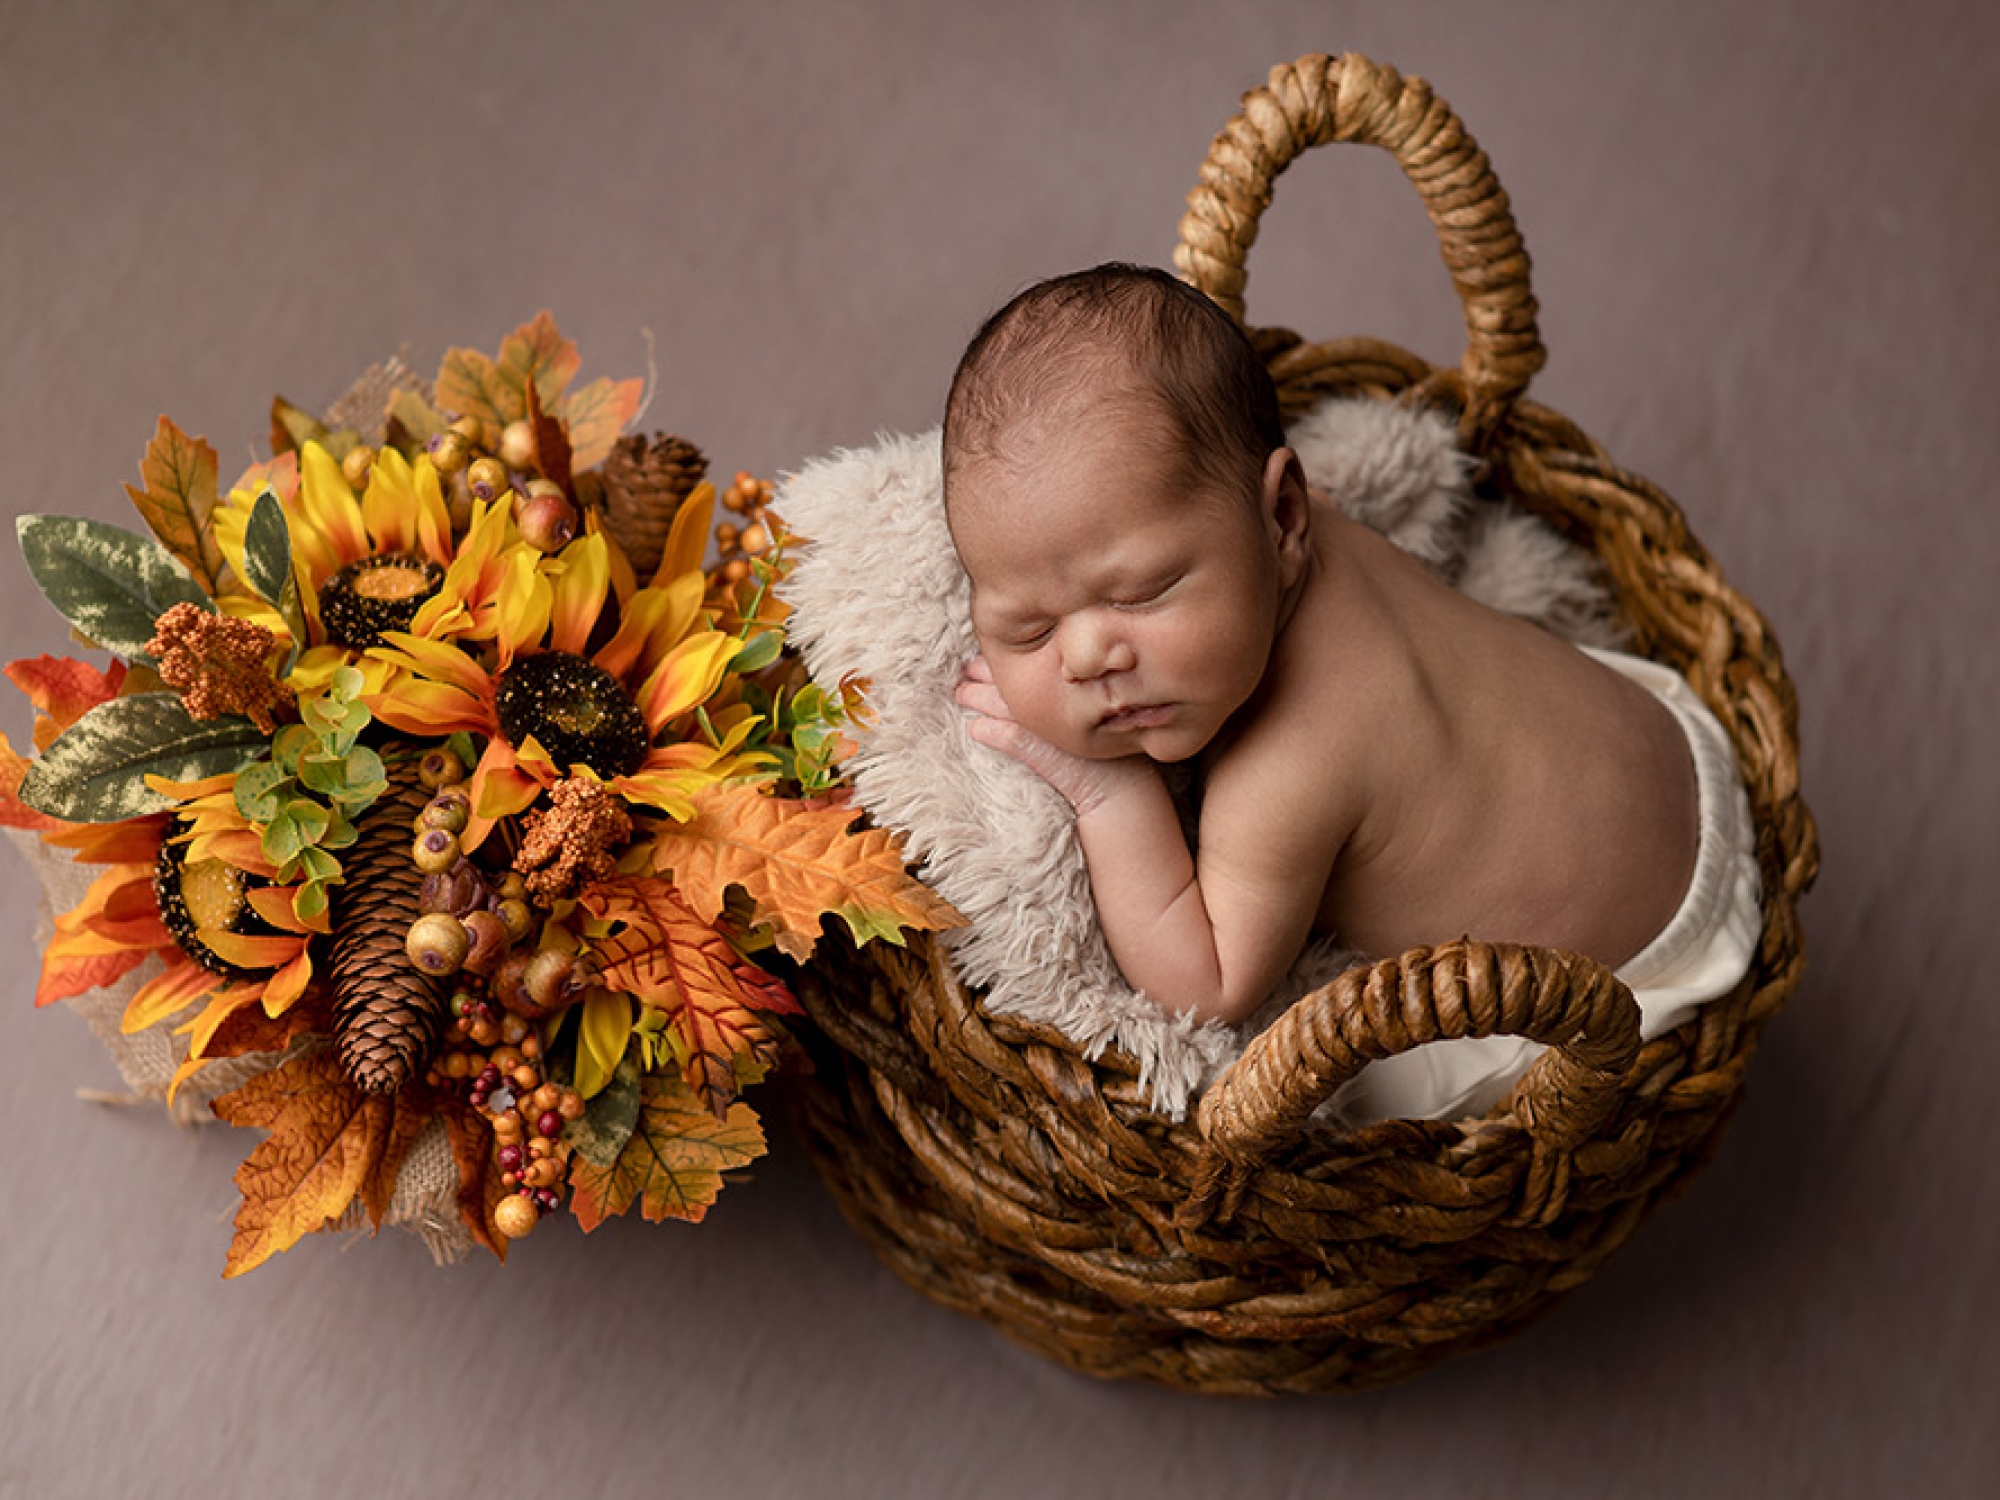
1287 505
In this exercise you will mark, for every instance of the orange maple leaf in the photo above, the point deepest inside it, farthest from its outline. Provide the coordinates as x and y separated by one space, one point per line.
672 1163
179 497
495 391
596 414
797 863
672 960
329 1144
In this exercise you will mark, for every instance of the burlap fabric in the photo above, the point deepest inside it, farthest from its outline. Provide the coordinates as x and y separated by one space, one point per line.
426 1198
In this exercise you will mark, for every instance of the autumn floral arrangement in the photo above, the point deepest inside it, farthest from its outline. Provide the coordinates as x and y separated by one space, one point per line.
448 805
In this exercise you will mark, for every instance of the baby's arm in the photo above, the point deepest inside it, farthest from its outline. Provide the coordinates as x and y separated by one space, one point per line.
1211 942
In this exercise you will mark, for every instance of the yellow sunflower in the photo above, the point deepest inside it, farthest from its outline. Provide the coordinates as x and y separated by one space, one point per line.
174 893
362 563
545 708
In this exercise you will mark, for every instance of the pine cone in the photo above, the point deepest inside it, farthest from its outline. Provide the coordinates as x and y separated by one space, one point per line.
643 490
388 1016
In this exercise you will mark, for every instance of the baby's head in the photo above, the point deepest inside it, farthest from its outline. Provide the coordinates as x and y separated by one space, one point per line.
1120 494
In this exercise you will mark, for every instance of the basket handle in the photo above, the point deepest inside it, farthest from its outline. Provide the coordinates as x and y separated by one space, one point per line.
1319 99
1575 1005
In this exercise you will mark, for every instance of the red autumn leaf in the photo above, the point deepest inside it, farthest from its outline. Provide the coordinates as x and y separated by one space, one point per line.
78 974
673 961
14 813
327 1139
63 690
552 449
105 936
672 1164
281 473
178 500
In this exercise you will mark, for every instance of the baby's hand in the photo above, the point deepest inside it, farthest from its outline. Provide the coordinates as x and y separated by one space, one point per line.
1085 784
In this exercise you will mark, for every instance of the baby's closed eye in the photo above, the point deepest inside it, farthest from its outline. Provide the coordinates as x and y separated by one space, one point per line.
1150 593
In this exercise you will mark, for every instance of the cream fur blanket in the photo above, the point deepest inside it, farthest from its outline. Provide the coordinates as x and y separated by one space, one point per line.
879 592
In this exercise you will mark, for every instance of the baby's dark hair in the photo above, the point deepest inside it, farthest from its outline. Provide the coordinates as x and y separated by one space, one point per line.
1132 323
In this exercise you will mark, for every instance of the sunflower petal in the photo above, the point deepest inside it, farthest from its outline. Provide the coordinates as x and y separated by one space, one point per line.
431 709
441 661
333 534
521 604
578 593
654 620
689 675
284 988
166 994
687 540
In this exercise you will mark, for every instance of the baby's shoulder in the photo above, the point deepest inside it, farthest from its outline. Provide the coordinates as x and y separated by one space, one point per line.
1295 770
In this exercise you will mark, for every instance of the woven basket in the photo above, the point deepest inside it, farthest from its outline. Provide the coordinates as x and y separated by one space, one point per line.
1246 1250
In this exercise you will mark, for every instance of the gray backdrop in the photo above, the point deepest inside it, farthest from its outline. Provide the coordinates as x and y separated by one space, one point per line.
1763 240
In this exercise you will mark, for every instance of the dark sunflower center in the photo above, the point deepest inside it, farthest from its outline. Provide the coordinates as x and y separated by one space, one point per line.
203 893
575 709
376 594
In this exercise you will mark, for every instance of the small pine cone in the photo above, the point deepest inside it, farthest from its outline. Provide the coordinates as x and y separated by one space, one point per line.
388 1016
643 490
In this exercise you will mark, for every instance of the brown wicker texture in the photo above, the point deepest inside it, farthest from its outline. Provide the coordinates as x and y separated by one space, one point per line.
1245 1251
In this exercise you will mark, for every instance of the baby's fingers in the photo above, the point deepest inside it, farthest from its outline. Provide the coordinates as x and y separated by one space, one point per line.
983 698
976 670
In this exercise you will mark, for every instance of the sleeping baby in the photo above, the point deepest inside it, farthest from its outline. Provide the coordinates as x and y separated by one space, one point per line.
1154 582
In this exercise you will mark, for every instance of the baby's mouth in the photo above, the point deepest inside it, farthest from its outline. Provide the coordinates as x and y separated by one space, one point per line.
1136 716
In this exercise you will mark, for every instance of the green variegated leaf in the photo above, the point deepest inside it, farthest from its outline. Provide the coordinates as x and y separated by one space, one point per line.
95 772
267 563
267 548
110 583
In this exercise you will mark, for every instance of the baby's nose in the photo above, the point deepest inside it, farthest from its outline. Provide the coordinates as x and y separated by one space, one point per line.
1091 650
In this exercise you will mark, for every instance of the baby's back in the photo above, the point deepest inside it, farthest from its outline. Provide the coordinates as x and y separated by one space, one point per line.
1509 787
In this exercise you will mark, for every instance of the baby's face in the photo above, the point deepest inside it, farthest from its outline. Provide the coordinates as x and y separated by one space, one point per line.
1121 611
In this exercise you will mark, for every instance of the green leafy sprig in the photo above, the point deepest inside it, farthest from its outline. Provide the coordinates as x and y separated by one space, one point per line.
319 779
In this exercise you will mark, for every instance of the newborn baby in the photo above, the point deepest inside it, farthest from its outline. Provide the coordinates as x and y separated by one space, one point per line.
1154 581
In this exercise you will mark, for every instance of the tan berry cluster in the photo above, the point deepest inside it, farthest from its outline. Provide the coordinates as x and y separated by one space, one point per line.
478 463
738 541
498 1060
218 664
572 841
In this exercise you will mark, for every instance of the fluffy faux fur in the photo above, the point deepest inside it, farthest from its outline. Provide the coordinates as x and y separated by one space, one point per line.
879 592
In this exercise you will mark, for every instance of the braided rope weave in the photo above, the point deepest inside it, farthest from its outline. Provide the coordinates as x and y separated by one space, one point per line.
1245 1251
